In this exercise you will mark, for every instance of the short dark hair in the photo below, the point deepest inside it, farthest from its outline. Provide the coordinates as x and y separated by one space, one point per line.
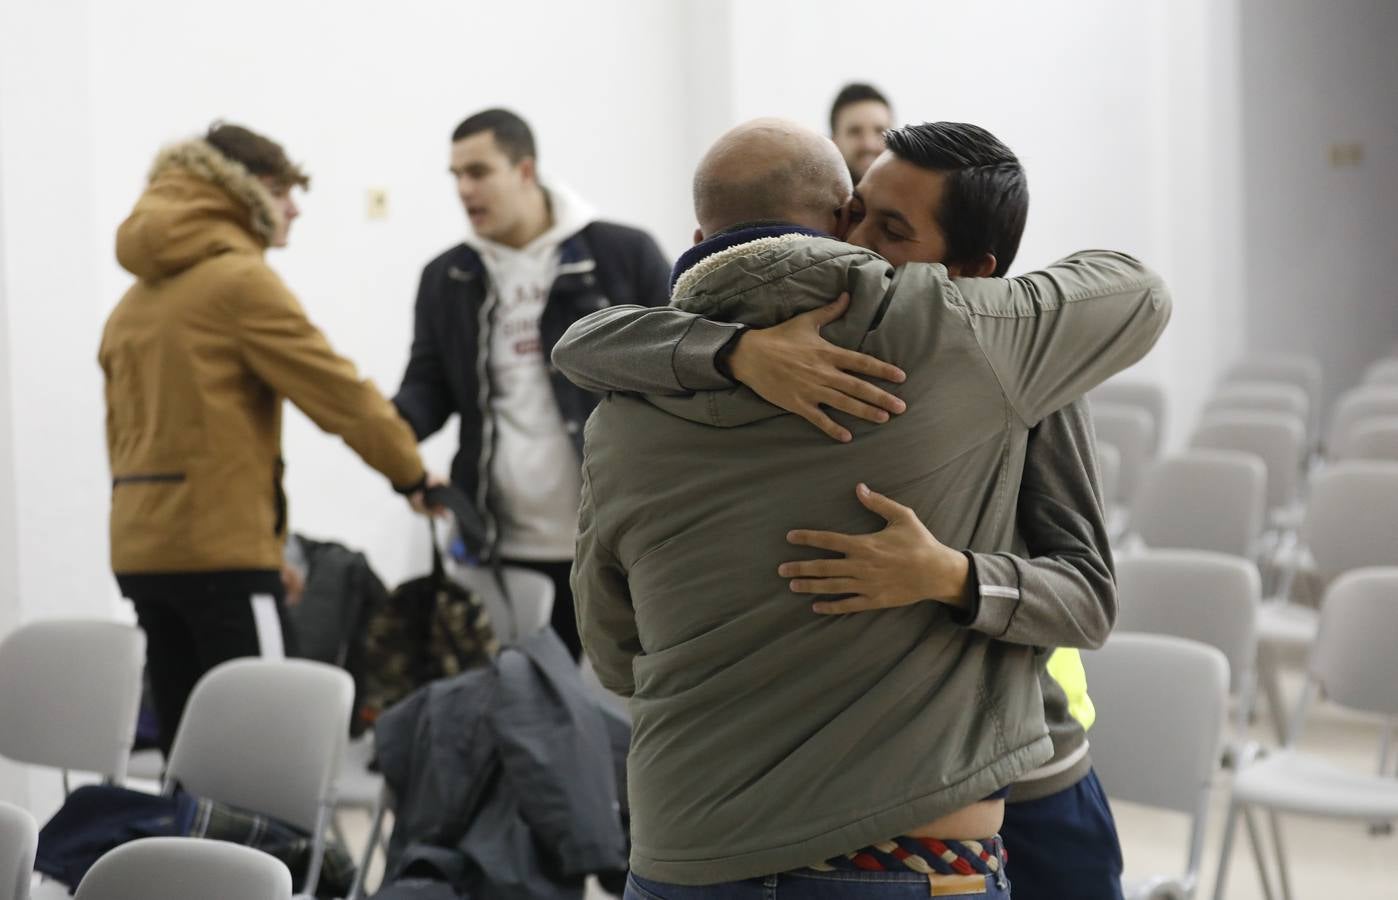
986 201
512 134
854 93
259 155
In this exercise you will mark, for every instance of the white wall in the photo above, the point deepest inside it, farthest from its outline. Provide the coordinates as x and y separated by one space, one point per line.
1130 119
1321 239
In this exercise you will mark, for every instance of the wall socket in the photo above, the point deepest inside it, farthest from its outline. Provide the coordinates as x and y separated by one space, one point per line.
1346 155
376 204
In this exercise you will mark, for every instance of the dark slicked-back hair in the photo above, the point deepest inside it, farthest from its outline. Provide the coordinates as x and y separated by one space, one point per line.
512 134
851 94
986 200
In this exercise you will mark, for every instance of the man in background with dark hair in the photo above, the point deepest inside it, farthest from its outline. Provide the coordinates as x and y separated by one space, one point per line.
535 259
858 118
197 358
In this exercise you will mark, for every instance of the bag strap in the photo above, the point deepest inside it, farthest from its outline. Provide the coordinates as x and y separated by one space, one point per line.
473 533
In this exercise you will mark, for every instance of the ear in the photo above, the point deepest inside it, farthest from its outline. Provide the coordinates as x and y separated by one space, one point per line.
981 268
698 235
529 169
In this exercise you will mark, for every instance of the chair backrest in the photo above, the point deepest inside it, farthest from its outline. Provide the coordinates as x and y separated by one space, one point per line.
1353 659
528 608
1202 500
1109 469
1261 396
1385 371
1144 395
1278 439
1161 703
70 690
1356 406
1129 430
1373 439
19 837
265 735
1296 369
1207 597
1352 517
170 868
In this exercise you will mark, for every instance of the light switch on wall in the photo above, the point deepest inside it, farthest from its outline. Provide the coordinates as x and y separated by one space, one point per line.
376 204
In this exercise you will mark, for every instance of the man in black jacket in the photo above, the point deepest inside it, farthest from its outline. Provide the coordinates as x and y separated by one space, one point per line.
489 312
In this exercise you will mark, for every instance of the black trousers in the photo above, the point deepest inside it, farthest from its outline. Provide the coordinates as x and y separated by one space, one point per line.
193 623
564 620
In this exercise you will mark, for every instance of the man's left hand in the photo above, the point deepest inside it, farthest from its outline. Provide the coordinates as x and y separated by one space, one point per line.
898 566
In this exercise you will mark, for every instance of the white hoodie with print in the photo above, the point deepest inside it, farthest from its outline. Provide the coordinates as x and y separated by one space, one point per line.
535 476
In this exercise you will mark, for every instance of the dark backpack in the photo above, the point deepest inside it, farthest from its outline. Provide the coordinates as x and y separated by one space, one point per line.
430 628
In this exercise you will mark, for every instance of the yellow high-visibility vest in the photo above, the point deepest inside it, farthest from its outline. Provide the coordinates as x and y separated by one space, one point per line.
1065 667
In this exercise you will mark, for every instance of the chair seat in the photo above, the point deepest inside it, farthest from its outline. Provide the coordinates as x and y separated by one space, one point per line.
1299 783
48 889
1287 624
357 787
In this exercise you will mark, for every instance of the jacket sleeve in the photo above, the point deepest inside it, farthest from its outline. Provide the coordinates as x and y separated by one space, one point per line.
1064 593
602 602
662 351
1052 335
290 354
424 397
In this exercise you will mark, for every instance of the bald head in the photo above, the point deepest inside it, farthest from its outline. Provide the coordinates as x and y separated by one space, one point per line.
770 169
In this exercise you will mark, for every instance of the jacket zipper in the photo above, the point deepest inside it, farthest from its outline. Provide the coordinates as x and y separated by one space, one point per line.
483 473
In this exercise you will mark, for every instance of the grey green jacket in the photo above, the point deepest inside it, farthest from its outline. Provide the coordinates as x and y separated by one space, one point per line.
766 737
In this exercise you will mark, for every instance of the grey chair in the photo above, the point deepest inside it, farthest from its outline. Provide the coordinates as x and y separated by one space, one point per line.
1355 407
1353 665
1278 439
19 836
525 610
1143 395
1130 431
1351 522
1207 597
1373 439
1261 396
1385 371
69 694
267 736
1296 369
1202 500
1161 703
168 868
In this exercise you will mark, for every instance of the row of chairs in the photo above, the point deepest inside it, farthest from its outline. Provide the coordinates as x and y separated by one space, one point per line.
1162 699
267 736
1260 493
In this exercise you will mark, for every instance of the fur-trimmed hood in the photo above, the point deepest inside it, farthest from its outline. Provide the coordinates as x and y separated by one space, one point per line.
199 203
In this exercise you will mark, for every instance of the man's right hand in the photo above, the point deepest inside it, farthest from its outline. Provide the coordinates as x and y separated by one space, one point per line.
792 367
418 499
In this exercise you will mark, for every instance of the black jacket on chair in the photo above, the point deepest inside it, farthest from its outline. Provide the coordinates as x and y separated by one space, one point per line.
506 779
603 265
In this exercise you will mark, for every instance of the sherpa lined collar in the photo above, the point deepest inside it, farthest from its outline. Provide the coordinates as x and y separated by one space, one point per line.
727 240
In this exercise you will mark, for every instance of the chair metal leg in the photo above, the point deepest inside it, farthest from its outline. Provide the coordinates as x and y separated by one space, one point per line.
376 839
317 852
1255 838
1280 849
1269 674
1230 828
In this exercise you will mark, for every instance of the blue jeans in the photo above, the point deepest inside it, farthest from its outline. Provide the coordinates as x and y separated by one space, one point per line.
810 885
1064 846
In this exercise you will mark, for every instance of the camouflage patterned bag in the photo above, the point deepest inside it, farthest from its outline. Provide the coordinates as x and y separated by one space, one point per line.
430 628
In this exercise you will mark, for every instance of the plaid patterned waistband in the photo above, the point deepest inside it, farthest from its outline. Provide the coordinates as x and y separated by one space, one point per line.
927 856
